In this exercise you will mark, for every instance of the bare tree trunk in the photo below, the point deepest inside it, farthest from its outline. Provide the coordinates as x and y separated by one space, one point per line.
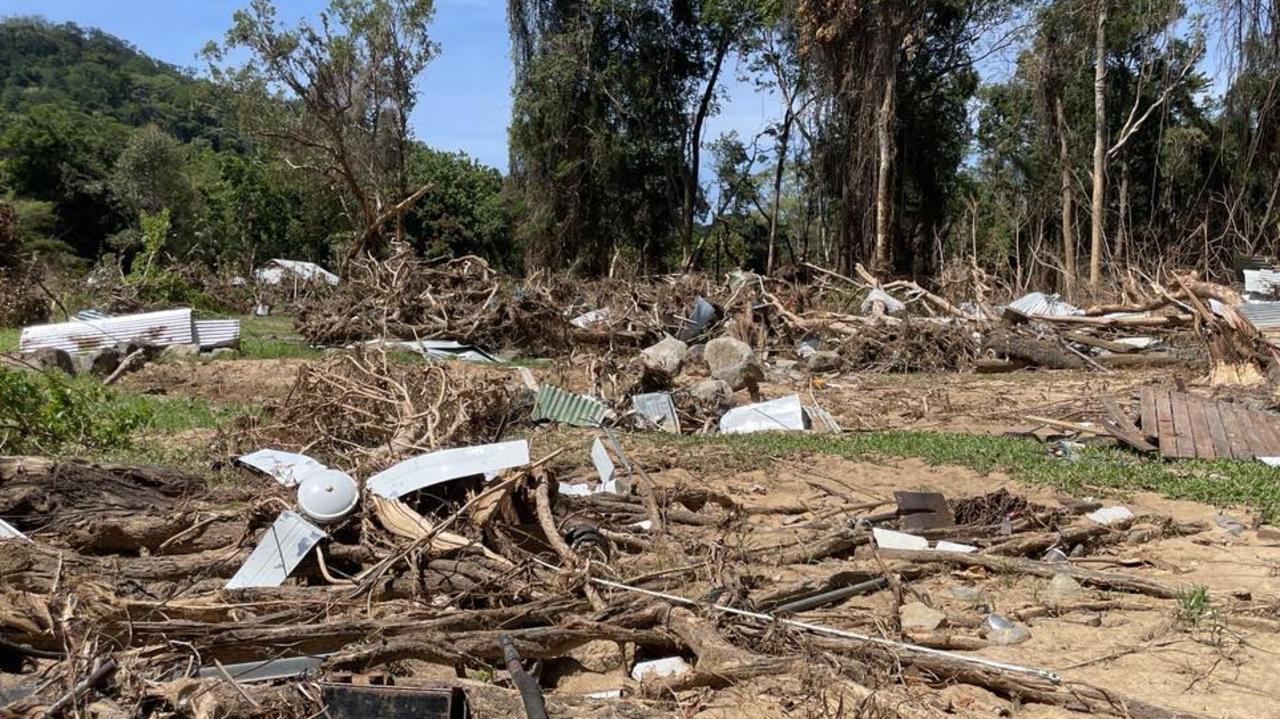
1099 144
1068 210
783 137
880 258
695 149
1122 231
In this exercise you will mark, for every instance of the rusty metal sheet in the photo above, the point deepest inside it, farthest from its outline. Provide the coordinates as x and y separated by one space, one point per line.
168 327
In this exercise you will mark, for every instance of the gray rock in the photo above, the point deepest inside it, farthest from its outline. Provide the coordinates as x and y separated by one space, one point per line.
598 656
104 361
713 390
1061 589
1003 632
666 356
972 595
822 361
224 353
695 355
49 358
733 361
918 616
177 353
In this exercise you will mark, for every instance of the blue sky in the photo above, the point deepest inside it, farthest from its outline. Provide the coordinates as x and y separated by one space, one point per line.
465 100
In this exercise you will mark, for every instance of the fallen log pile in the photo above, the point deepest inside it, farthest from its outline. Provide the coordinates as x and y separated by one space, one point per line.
118 603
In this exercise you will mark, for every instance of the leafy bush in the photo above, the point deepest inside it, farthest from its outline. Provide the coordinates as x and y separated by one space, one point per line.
49 412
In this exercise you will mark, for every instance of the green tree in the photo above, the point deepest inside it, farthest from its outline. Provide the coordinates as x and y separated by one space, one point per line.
463 212
149 177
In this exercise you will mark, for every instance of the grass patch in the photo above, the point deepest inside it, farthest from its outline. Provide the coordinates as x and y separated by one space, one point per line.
1218 482
272 337
9 339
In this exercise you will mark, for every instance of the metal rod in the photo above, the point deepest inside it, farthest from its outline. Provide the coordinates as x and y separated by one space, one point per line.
831 596
530 694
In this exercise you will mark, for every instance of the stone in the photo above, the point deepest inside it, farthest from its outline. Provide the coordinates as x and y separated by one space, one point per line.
921 617
104 361
224 353
734 362
1061 589
969 595
50 358
694 357
714 391
177 353
1003 632
598 656
822 361
666 356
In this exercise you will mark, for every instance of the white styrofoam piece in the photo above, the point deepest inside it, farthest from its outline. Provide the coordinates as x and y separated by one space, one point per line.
603 462
889 539
426 470
289 469
645 524
575 490
161 329
281 548
784 413
1270 461
659 668
1111 515
945 546
604 694
8 531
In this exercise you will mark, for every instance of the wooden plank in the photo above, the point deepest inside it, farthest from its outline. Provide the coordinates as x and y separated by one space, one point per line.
1232 423
1268 431
1148 416
1249 427
1201 440
1184 442
1122 428
1164 425
1221 447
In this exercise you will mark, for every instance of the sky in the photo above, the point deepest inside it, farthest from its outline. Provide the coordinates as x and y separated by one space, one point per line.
464 100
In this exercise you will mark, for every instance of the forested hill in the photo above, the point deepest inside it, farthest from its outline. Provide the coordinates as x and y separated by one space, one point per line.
95 135
97 73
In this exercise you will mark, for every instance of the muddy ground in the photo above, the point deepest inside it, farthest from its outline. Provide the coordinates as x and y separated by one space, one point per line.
1216 660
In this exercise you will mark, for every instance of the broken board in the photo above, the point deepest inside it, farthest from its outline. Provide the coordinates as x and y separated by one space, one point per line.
1187 426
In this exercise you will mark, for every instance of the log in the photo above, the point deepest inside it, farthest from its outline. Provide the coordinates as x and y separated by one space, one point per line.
1016 565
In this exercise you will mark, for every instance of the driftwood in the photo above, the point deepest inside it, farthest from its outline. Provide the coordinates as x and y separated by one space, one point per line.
1016 565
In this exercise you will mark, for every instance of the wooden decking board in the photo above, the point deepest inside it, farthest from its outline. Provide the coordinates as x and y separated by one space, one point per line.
1202 441
1221 447
1184 441
1148 414
1268 432
1237 424
1164 425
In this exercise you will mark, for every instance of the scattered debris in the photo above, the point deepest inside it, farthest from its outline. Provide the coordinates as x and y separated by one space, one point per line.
1111 515
660 668
658 409
557 405
287 468
782 414
428 470
889 539
277 271
279 551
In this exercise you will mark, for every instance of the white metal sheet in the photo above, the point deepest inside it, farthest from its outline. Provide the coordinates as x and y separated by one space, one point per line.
168 327
1264 283
217 333
276 271
601 459
784 413
289 469
658 408
281 548
8 531
1038 303
889 539
426 470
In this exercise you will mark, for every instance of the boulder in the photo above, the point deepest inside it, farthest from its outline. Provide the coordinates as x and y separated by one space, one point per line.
666 356
50 358
598 656
224 353
920 617
1061 590
714 391
734 362
822 361
177 353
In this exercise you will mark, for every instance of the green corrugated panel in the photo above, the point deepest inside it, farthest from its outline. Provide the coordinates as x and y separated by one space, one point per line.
558 405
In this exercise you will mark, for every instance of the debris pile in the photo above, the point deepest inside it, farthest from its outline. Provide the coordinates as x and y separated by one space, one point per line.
137 591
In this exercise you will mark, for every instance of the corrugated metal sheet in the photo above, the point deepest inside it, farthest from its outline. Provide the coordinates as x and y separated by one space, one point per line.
427 470
1264 315
277 270
1264 283
287 468
703 312
217 333
784 413
1038 303
820 420
441 350
553 403
281 548
658 408
8 531
92 315
169 327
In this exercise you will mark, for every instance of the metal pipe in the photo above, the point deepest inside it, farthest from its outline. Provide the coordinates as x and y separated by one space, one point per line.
831 596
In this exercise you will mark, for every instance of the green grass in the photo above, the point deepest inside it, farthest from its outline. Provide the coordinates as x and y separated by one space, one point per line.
175 414
1221 483
9 339
272 337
